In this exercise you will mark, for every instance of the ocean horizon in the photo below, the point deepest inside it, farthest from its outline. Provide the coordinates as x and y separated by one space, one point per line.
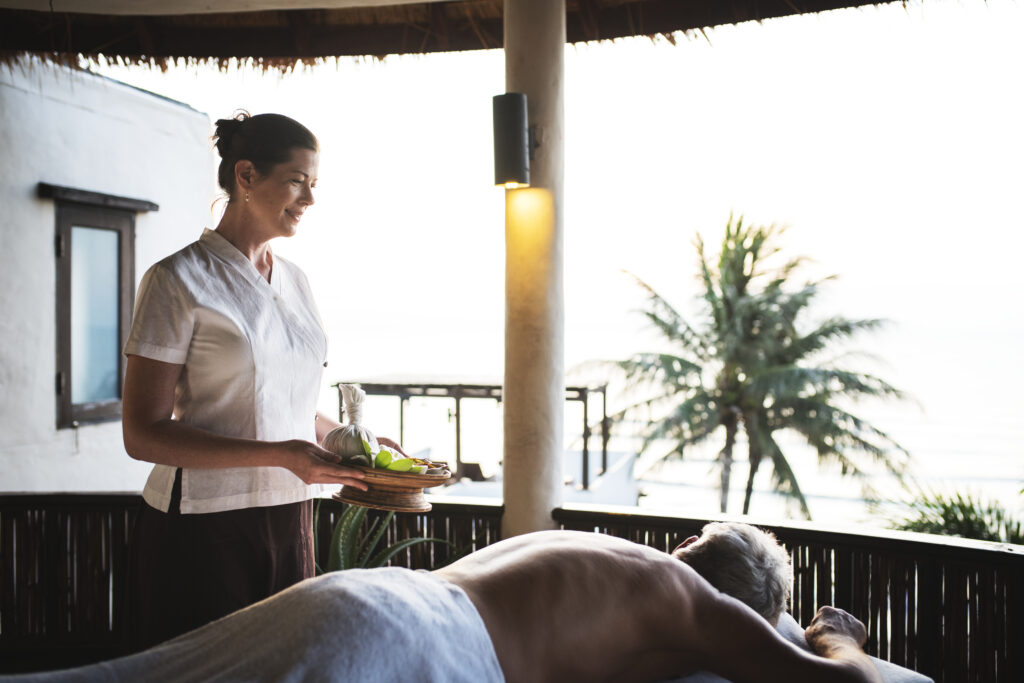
943 460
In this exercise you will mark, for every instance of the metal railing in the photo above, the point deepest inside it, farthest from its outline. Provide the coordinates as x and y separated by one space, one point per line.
949 608
403 391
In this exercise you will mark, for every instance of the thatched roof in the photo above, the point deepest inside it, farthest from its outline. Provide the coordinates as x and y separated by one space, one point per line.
221 30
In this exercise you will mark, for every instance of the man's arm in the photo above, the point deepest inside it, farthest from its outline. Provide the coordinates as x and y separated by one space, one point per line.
741 646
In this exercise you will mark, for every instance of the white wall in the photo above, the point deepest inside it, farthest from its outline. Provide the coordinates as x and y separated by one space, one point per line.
84 131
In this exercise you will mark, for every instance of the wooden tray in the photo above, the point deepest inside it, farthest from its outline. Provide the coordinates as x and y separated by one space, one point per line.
398 491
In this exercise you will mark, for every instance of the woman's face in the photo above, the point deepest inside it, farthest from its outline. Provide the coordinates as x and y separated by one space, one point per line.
279 198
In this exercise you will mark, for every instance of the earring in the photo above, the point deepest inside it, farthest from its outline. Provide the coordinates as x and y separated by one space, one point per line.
246 195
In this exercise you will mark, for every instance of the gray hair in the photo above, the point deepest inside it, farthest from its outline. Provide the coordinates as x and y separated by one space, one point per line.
745 562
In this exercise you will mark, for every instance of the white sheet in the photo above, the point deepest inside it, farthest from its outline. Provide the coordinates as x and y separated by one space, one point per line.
387 624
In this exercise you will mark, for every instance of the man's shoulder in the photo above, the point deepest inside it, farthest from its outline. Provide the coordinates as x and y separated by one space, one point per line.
617 557
583 541
590 538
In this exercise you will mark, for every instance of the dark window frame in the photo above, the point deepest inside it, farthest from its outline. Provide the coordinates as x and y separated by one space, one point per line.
103 212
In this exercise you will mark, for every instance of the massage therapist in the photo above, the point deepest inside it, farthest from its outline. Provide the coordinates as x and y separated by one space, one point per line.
224 365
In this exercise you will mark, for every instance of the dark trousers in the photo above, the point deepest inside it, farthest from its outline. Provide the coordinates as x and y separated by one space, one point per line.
192 569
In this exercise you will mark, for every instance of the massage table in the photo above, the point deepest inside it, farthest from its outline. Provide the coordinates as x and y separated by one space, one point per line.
388 625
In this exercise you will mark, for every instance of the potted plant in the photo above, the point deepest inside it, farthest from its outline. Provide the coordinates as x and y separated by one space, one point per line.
353 547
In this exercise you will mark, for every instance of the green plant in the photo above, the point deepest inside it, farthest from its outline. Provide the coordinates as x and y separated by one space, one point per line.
751 365
960 515
353 547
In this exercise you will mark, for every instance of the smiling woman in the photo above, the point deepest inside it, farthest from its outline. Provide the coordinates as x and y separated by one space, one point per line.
279 198
272 162
225 359
273 206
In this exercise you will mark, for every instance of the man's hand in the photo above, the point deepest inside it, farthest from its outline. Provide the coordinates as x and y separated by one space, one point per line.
832 620
839 636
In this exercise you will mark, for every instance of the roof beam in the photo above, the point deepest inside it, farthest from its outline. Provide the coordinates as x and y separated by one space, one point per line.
179 7
284 36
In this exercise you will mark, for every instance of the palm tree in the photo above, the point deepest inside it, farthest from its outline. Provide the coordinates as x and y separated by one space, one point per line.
750 367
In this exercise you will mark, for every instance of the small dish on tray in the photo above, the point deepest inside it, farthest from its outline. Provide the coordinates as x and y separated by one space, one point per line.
389 490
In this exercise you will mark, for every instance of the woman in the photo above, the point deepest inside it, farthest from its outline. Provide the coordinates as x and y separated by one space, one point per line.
224 364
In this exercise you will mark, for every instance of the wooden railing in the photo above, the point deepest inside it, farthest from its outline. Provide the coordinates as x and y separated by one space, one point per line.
64 568
949 608
66 563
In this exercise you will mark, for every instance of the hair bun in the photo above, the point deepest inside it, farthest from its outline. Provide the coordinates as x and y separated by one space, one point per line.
264 140
226 129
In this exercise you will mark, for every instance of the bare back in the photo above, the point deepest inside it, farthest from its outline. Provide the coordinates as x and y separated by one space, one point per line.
569 605
577 606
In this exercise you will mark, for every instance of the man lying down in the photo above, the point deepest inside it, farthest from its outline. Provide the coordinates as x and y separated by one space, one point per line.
546 606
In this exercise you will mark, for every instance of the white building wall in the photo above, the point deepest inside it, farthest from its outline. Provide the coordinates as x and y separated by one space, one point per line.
87 132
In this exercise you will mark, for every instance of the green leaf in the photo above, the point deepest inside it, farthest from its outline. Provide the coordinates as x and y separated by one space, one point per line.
317 569
401 465
387 553
373 537
384 458
345 539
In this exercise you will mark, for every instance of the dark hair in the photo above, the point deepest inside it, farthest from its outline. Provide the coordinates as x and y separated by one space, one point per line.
264 139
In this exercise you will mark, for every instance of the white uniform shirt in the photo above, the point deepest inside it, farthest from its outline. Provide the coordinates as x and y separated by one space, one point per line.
253 353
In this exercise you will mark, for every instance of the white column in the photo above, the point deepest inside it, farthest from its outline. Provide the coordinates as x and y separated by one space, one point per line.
534 385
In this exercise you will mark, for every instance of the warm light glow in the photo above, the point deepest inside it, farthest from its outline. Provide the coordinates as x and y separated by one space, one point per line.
530 225
513 185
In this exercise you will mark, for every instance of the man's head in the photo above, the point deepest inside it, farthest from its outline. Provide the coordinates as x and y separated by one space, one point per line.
742 561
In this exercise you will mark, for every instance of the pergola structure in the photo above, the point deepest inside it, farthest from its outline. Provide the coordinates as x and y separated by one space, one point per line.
282 31
285 33
950 608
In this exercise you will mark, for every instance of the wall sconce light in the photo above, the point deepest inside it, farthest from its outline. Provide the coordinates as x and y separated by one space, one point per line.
513 141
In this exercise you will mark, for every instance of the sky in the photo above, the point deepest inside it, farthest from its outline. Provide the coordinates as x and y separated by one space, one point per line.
887 140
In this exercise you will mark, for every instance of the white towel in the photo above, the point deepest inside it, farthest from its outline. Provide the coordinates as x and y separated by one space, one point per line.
387 624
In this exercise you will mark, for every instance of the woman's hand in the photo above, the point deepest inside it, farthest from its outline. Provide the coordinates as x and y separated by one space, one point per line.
385 441
151 434
314 465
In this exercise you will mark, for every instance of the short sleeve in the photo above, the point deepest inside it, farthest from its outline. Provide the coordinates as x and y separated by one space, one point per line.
164 318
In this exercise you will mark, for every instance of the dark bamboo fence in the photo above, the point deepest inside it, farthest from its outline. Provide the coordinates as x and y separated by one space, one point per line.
952 609
949 608
66 562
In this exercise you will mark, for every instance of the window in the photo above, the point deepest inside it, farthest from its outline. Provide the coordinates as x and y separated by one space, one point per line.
95 250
